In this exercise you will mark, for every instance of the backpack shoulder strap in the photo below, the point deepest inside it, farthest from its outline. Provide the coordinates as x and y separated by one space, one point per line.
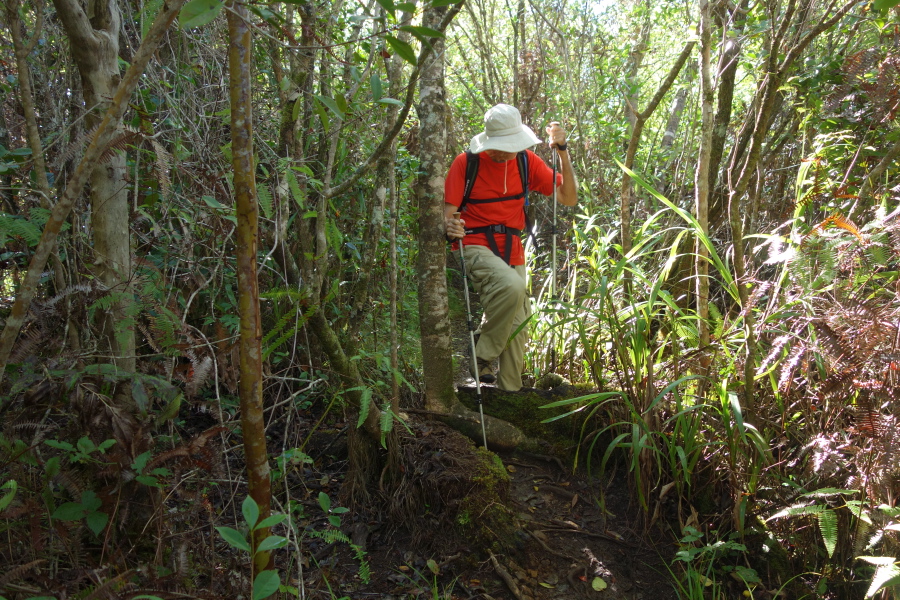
472 161
522 160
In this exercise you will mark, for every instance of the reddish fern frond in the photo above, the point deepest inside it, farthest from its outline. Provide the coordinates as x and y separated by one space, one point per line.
16 572
30 341
869 420
838 386
755 295
777 345
110 586
834 345
163 166
838 220
787 369
859 63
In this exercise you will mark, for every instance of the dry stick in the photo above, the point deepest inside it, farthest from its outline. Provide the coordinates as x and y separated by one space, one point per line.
102 137
506 577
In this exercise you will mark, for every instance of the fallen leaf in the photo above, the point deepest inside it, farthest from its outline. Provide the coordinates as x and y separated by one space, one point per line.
574 500
547 585
598 584
510 468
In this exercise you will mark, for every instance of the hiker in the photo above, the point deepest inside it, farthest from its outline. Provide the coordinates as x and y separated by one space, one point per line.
491 222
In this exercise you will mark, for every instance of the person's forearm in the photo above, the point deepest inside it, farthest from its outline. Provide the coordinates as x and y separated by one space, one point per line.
567 193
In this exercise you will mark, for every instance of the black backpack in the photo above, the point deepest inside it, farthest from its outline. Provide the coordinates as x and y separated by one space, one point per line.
472 162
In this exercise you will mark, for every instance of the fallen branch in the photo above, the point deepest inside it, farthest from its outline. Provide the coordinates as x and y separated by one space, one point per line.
506 577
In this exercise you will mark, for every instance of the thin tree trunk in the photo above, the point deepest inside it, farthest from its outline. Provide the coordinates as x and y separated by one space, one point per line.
701 180
101 139
94 40
434 311
253 427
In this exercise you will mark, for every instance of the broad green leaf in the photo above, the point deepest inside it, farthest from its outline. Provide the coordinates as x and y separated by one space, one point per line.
271 521
433 566
234 538
393 101
885 4
213 203
271 543
198 13
251 511
13 487
90 501
402 48
377 91
423 31
265 584
139 393
96 521
331 105
324 502
598 584
438 3
70 511
388 6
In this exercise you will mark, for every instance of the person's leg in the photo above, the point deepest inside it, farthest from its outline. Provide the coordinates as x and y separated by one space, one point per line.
512 359
502 292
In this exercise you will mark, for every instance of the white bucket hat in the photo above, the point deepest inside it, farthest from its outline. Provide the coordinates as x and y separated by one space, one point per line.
503 130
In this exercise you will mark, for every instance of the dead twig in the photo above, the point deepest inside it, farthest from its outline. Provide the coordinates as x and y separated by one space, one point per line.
506 577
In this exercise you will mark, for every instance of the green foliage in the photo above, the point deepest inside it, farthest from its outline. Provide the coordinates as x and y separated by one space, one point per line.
267 582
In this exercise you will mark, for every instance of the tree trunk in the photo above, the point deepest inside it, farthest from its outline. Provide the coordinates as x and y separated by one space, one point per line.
240 49
94 40
434 310
99 142
701 180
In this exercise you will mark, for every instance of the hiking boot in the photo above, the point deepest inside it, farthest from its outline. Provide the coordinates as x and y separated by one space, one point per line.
485 371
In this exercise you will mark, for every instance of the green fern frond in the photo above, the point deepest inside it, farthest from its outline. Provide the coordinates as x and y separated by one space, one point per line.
264 197
798 510
828 526
12 226
330 536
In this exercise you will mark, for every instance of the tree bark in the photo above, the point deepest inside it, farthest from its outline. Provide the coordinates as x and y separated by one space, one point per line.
434 310
240 50
101 139
701 181
94 40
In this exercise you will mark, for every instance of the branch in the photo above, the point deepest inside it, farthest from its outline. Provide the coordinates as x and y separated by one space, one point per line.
102 136
667 83
426 51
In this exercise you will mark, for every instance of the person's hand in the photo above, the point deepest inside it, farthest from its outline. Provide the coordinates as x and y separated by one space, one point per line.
456 227
557 135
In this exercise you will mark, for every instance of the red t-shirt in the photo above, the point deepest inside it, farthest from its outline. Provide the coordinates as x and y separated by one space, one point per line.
497 180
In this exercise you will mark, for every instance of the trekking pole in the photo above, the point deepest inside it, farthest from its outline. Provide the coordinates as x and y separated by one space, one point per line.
553 233
553 262
470 322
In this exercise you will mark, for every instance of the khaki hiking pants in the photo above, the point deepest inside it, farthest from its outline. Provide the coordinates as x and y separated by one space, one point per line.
506 306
